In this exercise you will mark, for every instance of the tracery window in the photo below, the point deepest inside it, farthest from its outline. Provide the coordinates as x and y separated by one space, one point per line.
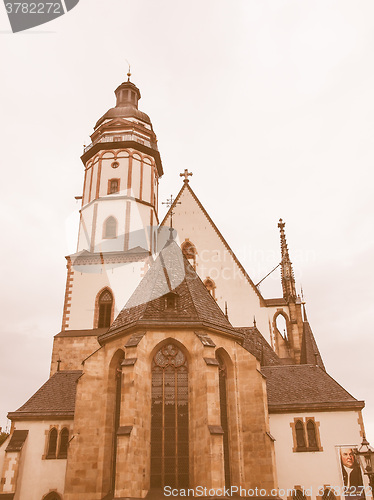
169 427
105 309
110 228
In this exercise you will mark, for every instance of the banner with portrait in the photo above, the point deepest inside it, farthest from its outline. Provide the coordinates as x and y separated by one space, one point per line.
352 476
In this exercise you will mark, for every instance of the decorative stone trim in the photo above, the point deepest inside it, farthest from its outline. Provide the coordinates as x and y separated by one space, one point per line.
211 361
134 339
215 429
205 340
129 361
124 430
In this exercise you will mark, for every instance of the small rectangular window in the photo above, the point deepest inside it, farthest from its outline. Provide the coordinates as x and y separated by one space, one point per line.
113 186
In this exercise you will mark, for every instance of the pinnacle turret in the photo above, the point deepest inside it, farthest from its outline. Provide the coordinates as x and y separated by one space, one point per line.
287 274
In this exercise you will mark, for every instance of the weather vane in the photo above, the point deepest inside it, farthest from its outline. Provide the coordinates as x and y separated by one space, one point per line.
169 203
129 72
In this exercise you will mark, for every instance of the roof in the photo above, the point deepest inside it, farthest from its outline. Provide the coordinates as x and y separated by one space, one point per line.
171 273
123 112
309 350
17 440
94 332
56 398
305 387
256 344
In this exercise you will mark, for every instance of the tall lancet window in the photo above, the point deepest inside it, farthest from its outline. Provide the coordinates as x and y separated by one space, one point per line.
224 418
105 309
169 431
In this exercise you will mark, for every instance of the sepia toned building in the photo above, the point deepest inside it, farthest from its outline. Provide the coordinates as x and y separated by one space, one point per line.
153 383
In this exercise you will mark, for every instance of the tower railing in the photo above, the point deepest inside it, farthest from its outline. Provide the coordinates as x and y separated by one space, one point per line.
123 137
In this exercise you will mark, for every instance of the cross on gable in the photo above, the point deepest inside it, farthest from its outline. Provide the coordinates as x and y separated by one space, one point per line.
169 203
185 174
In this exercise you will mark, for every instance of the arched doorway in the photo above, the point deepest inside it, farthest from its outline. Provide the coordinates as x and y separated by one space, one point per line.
169 427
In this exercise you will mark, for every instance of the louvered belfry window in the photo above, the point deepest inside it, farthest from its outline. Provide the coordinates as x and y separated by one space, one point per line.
169 434
105 309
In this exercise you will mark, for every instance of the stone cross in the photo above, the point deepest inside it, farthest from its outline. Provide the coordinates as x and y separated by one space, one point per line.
185 174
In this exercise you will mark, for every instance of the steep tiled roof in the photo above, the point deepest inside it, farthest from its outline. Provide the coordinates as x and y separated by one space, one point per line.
310 354
298 387
255 343
94 332
56 398
17 440
171 273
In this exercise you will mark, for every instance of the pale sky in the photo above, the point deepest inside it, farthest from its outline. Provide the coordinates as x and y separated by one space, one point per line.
269 103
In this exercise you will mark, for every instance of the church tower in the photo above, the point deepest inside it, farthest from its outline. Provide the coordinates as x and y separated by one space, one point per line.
118 220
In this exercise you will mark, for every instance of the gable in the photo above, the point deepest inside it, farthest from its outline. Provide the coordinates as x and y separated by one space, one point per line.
216 260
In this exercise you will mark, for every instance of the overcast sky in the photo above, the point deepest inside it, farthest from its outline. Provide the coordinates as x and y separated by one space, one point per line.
269 103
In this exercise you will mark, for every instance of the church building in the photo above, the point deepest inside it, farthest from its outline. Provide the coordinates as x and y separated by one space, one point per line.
171 373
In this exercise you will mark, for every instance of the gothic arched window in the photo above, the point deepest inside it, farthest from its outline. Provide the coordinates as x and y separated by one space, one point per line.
328 494
224 418
311 433
189 251
105 309
64 441
169 423
52 496
110 228
300 435
52 443
298 495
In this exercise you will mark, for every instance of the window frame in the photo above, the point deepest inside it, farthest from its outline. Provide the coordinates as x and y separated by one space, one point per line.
118 180
307 448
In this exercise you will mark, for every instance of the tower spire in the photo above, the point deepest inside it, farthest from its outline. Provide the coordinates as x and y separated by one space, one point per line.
287 274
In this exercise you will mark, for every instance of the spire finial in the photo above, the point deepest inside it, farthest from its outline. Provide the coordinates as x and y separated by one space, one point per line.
254 321
305 317
288 278
129 71
185 174
226 312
